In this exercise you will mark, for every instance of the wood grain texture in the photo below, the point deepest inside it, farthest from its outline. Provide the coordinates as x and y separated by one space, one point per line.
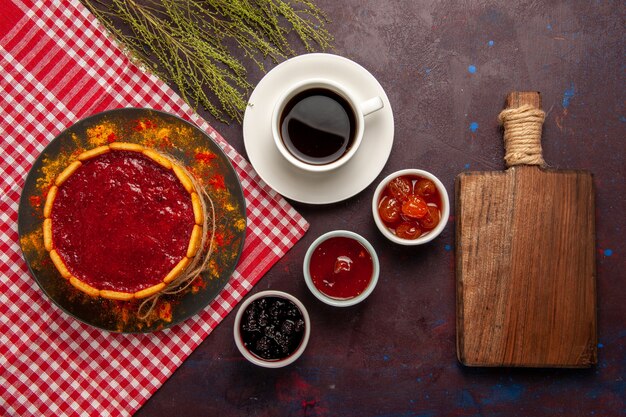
519 98
526 292
526 268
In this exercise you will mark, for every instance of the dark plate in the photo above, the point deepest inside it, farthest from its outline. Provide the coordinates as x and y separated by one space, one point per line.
164 132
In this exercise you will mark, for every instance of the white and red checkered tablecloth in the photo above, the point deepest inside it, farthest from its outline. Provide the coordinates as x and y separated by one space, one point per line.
57 66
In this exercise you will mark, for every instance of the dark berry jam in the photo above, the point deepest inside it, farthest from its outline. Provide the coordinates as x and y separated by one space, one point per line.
272 328
341 267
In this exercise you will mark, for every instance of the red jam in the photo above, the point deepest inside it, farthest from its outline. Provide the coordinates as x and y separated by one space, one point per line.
410 206
341 267
121 222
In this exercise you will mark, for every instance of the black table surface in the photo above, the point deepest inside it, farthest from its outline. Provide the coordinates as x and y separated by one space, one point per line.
446 67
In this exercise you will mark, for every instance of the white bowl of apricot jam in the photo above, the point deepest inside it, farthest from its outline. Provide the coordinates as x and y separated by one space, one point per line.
410 207
341 268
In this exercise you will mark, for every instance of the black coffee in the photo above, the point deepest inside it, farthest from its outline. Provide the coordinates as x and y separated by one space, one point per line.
317 126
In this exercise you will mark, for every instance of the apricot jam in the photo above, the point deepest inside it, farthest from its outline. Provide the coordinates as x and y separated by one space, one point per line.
410 206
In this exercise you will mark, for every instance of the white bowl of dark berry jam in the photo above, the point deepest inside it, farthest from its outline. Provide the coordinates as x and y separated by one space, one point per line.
341 268
272 329
411 207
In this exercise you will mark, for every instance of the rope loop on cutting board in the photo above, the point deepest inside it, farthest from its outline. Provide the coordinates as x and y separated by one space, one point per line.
522 135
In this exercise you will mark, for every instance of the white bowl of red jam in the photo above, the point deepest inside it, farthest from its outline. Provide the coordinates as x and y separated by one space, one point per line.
410 207
341 268
272 329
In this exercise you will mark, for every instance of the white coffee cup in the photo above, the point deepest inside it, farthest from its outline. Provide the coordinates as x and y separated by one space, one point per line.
359 110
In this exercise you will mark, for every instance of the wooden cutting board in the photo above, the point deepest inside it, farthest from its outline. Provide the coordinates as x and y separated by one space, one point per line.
525 265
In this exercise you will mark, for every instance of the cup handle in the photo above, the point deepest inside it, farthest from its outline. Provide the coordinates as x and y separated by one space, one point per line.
371 105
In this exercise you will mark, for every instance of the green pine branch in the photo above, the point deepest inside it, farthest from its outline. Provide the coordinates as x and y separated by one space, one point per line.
200 45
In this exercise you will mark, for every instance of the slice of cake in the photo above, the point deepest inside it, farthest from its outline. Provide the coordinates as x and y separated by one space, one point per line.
122 221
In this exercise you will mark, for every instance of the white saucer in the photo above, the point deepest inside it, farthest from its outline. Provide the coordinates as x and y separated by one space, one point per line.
317 187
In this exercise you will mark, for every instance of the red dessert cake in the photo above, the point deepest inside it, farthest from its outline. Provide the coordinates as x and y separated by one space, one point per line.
122 221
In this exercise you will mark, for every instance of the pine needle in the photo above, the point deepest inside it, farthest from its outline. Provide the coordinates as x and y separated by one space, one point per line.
200 46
